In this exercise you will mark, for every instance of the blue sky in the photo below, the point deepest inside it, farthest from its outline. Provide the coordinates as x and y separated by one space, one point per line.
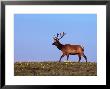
33 35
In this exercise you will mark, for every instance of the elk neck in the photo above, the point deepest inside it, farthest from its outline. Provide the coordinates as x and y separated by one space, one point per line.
59 46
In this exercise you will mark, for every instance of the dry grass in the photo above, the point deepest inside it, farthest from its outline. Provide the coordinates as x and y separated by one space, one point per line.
55 69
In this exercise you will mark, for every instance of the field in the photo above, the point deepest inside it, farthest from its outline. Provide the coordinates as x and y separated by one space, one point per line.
55 69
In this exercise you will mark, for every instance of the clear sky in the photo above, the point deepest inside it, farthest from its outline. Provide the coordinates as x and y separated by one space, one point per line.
33 35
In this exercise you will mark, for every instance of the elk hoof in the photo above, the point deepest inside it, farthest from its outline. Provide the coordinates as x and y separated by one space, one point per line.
59 61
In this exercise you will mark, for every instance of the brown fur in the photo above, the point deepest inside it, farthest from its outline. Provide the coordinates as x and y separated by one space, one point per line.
69 49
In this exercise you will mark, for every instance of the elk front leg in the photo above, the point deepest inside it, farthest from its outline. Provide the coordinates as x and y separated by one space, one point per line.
61 57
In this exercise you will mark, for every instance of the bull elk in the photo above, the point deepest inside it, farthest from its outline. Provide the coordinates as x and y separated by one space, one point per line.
68 49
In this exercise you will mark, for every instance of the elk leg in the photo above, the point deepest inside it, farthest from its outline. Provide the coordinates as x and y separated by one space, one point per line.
67 57
79 58
61 58
85 57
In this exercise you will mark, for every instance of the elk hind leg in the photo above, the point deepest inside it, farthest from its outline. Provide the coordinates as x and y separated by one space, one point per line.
67 57
85 57
79 57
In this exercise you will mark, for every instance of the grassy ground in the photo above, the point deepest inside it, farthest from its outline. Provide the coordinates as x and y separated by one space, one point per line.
55 69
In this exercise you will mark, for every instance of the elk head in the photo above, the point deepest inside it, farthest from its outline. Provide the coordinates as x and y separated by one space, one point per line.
57 38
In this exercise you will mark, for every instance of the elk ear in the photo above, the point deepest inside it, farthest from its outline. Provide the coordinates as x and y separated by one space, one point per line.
54 38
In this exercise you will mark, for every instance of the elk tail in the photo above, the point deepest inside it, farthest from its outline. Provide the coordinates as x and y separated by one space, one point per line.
82 48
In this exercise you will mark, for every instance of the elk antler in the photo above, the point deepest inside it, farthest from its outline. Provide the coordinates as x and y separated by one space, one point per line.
54 37
57 34
61 35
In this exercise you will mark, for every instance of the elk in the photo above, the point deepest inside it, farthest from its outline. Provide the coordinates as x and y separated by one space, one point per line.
68 49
